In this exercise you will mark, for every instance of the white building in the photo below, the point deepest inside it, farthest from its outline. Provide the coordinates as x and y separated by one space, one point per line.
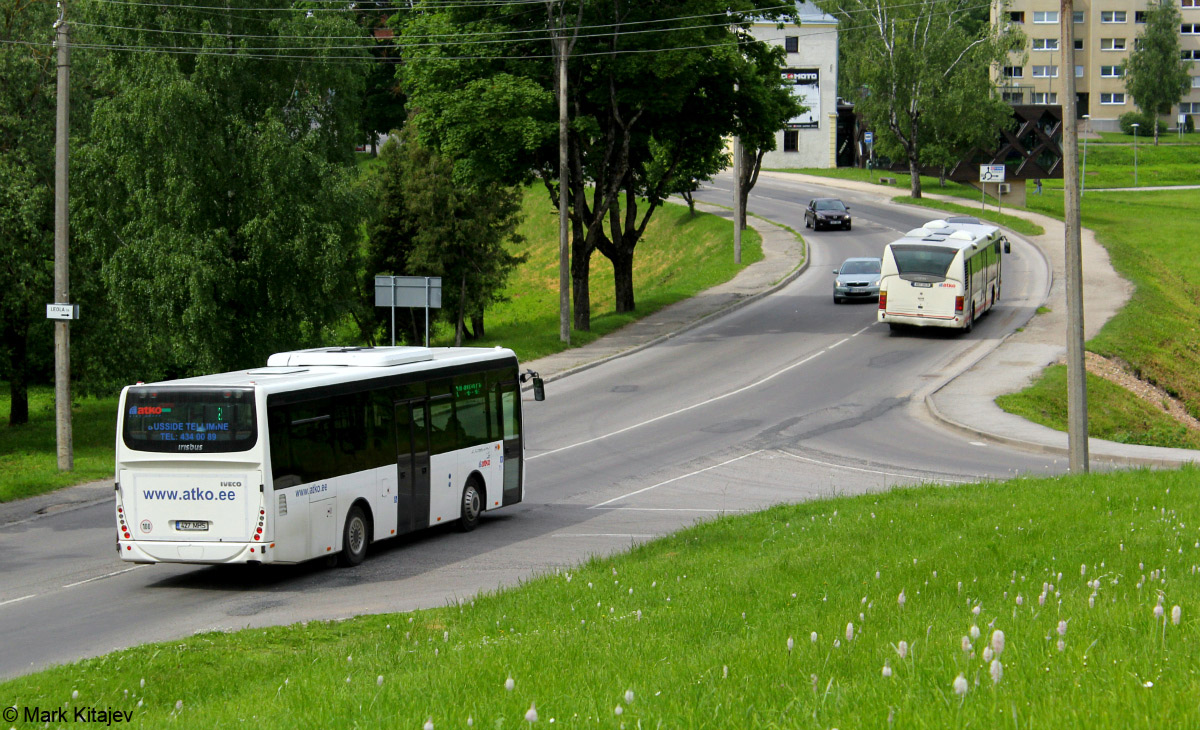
812 67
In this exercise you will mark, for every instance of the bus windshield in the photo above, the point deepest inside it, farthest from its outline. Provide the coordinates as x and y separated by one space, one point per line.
926 260
208 420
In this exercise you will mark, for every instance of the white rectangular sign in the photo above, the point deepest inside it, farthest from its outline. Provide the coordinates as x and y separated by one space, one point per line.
62 311
991 173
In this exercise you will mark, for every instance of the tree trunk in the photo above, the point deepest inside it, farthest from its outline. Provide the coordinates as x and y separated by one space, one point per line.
581 306
914 169
462 305
18 384
476 326
691 201
942 176
623 278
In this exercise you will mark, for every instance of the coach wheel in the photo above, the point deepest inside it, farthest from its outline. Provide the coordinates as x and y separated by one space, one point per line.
354 537
970 322
472 506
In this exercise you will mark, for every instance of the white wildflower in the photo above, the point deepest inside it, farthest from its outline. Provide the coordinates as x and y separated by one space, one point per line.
178 705
1061 645
531 713
966 644
1083 569
960 685
974 632
850 632
997 671
901 599
998 642
1062 628
1176 614
902 648
887 671
509 684
629 697
987 653
1158 611
75 694
790 643
619 710
976 610
813 636
428 724
379 681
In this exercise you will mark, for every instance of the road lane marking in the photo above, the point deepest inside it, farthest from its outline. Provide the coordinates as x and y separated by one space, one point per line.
675 479
871 471
101 577
14 600
714 399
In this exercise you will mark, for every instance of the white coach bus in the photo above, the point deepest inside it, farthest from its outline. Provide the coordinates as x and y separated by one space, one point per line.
318 454
944 274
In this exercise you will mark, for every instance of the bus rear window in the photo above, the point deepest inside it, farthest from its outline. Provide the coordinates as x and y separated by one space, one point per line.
923 260
198 420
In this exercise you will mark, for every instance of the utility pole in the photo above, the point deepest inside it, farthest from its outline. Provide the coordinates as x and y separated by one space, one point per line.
62 289
737 192
1077 426
562 49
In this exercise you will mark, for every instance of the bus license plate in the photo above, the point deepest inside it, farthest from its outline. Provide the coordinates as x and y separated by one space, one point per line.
192 525
922 284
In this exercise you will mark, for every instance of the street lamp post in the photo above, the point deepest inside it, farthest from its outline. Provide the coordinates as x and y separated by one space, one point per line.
1087 127
1135 127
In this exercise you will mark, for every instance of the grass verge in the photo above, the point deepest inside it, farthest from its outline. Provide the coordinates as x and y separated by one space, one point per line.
28 453
1012 222
680 255
695 630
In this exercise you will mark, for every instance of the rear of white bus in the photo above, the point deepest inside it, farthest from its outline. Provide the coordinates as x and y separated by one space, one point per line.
190 475
921 285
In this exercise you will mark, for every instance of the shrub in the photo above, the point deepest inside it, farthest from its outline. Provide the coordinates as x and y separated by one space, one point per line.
1143 121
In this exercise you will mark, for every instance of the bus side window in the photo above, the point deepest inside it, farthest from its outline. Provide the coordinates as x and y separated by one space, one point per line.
283 474
380 449
312 442
470 408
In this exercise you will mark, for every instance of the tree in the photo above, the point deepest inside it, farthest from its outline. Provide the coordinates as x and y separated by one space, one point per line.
907 56
215 198
27 90
459 233
644 108
389 245
967 117
764 106
1155 74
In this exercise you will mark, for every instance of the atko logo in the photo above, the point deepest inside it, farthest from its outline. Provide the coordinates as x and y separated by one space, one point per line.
145 411
146 526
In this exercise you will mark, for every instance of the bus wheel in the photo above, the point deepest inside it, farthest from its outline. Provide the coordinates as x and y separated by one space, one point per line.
472 506
970 322
354 537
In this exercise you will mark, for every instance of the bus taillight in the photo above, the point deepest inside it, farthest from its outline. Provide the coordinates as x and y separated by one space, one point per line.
958 305
883 300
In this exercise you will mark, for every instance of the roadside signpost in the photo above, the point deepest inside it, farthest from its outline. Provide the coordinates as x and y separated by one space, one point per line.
62 311
987 174
408 291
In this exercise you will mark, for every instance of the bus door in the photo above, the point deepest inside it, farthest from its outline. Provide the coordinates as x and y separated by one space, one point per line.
412 465
510 418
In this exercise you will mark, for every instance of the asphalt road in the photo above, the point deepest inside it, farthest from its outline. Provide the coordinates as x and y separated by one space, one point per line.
787 399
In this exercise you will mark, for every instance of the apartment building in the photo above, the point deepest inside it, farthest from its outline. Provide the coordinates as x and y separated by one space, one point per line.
1105 33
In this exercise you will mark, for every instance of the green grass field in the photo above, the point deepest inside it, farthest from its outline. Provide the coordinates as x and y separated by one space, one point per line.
29 457
680 255
848 613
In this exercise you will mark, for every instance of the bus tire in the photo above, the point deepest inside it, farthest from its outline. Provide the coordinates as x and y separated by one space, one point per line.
970 325
472 507
355 537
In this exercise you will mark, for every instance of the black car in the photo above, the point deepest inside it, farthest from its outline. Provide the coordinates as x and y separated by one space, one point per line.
823 212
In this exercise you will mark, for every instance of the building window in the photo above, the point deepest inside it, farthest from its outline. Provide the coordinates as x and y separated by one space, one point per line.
1045 16
791 43
1190 29
1112 16
1077 16
1189 3
1112 44
791 140
1045 97
1045 44
1117 98
1079 72
1079 44
1013 97
1139 16
1014 72
1189 107
1192 55
1111 72
1016 16
1045 72
1196 82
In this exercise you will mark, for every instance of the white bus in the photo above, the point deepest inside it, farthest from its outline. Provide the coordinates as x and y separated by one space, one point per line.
944 274
318 454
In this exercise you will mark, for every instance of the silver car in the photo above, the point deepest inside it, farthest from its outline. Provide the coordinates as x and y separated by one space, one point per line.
856 278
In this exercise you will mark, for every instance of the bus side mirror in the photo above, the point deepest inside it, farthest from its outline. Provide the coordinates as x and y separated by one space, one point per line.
539 386
1007 246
